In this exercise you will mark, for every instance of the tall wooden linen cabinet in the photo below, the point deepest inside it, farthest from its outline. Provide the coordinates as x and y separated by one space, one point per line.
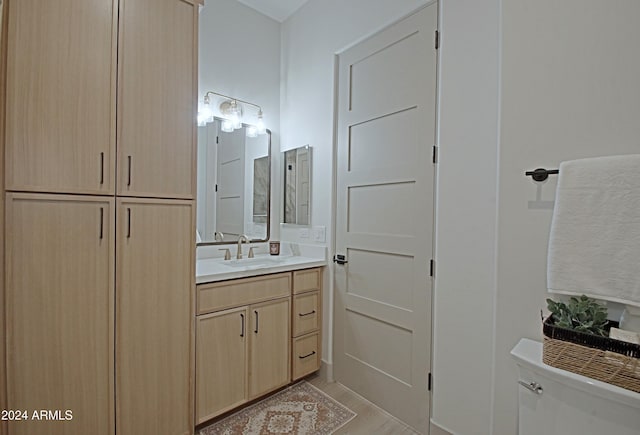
98 133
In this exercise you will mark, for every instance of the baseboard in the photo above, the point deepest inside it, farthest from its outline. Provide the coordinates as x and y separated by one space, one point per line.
326 371
435 429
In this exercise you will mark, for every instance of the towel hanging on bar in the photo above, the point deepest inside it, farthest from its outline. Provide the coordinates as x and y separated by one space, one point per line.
594 244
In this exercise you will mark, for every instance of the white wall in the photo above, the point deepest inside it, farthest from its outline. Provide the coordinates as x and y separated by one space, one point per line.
310 40
567 75
464 296
569 90
240 57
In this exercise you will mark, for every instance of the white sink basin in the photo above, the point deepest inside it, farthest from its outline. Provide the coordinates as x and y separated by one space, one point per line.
253 262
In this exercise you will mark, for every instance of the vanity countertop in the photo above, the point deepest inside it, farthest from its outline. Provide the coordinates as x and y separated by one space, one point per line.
216 269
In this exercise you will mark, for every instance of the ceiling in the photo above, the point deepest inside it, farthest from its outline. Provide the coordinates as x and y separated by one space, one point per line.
279 10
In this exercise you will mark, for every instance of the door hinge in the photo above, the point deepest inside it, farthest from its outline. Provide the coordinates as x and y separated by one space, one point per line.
437 39
217 139
435 154
216 187
432 267
429 382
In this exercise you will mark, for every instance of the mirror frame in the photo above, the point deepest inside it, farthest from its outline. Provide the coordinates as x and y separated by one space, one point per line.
269 185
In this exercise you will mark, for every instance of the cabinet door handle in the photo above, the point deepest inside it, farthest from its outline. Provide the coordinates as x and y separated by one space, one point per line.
101 168
241 325
129 171
256 313
101 223
307 314
308 355
128 223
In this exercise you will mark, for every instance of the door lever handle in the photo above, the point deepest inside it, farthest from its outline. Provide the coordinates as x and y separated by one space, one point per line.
340 259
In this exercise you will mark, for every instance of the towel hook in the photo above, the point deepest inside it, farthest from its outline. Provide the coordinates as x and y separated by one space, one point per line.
541 174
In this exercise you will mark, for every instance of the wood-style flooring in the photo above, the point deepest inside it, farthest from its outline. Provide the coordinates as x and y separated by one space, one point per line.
370 420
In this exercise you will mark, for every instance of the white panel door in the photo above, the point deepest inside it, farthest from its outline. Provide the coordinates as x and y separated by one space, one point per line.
230 198
386 130
207 180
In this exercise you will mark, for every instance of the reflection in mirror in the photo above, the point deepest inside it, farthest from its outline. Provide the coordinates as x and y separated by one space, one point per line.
297 185
233 185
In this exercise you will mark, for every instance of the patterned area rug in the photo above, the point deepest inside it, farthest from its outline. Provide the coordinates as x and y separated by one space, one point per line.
301 409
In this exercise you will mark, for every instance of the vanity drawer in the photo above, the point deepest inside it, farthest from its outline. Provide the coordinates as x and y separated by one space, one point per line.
306 313
307 280
234 293
306 355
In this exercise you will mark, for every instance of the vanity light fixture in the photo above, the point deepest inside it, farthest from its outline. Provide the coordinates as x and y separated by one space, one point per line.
227 126
252 131
205 114
261 128
232 111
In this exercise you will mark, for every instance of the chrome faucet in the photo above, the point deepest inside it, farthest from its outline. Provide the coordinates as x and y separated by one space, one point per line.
241 238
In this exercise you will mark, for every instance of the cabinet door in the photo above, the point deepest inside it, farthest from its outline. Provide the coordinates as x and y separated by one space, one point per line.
269 355
221 362
154 299
59 296
157 98
61 89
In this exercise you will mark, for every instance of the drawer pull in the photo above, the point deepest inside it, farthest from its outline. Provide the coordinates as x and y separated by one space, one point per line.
307 356
241 325
307 314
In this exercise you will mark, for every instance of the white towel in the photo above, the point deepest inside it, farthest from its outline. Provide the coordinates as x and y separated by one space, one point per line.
594 245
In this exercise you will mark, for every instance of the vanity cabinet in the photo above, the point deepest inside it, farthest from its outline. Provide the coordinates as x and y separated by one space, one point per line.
253 336
307 321
269 346
154 278
221 375
60 317
243 352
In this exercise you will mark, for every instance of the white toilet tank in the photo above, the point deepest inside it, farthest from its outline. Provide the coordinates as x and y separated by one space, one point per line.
557 402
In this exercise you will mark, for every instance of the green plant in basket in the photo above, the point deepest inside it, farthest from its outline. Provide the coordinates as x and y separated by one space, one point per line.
581 314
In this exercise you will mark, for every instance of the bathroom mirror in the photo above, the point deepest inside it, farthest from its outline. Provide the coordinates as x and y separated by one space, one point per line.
297 186
233 185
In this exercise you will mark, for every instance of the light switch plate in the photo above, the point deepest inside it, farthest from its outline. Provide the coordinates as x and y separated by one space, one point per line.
304 233
318 234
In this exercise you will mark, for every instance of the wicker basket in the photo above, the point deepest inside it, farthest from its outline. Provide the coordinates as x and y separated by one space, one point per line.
602 358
